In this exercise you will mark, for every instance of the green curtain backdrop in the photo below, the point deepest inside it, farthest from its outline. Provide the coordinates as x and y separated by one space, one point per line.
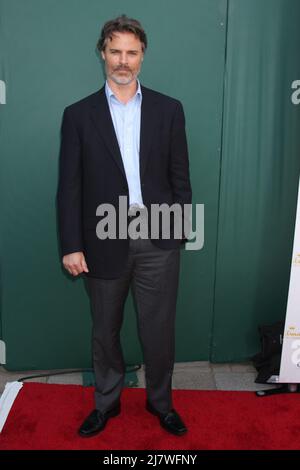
50 62
259 173
231 63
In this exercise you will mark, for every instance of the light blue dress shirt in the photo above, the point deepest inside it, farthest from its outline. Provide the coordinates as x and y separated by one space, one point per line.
127 123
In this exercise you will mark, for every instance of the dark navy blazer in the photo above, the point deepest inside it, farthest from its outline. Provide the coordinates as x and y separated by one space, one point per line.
91 172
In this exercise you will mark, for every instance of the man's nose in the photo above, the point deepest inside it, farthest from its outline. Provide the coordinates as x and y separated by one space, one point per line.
123 59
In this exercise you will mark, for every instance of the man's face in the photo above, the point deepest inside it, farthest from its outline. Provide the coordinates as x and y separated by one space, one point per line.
123 56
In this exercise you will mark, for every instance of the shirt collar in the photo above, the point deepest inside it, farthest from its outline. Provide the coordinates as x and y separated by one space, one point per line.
110 93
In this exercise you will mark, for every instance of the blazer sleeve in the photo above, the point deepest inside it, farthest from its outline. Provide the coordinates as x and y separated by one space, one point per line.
179 163
69 191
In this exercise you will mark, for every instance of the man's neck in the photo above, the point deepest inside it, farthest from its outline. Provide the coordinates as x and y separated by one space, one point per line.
123 92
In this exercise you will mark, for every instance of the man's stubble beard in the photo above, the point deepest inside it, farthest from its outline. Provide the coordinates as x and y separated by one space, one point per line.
123 81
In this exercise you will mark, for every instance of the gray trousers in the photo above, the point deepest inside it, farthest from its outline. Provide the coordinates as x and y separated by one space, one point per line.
153 274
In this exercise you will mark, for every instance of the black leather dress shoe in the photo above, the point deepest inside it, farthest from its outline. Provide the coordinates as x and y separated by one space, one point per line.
170 421
96 421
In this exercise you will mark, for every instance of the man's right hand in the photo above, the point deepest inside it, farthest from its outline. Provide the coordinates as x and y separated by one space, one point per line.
75 263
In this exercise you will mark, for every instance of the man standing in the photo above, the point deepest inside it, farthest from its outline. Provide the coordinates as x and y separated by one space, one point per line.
125 140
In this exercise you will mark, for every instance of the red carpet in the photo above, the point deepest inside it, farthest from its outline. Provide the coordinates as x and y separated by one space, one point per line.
47 417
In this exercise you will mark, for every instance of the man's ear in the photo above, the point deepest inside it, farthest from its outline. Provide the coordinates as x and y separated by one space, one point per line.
103 55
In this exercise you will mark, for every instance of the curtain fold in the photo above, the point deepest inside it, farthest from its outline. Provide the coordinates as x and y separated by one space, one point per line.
260 167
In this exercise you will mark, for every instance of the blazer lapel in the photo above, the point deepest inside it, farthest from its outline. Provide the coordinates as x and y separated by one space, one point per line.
103 123
149 121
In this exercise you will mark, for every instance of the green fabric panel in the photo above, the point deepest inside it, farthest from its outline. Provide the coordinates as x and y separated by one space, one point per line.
259 173
49 61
